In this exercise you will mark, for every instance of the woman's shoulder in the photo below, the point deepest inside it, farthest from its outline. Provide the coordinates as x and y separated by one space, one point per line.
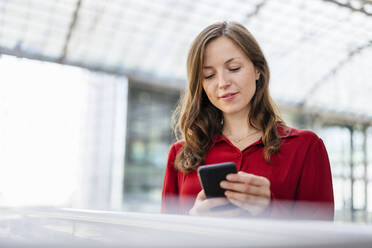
302 134
177 146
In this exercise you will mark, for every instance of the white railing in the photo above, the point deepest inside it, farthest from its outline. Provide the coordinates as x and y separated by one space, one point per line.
49 227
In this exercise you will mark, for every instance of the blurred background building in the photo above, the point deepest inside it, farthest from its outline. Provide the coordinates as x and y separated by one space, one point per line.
87 89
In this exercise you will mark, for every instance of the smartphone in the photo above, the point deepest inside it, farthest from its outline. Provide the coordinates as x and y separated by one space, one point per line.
210 177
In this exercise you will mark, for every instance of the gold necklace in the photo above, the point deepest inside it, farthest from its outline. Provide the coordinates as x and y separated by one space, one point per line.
240 139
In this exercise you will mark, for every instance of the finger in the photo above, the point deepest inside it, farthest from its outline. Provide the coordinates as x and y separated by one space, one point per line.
236 202
247 199
252 209
244 177
226 213
245 188
201 195
206 205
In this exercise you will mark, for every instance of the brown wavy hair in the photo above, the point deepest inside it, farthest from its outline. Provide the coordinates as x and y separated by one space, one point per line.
198 121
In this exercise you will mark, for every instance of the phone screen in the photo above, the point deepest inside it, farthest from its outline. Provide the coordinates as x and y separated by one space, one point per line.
210 177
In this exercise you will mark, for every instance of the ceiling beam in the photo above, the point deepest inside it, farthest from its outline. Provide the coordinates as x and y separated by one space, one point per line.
348 5
70 31
333 72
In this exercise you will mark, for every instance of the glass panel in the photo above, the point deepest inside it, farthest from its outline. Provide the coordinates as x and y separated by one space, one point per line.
359 197
347 194
149 137
369 154
369 201
337 142
338 188
359 171
61 135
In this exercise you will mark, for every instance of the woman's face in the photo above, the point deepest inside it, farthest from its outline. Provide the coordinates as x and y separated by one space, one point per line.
229 77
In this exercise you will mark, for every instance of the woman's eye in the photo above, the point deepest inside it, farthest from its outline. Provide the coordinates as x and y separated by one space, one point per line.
209 76
235 69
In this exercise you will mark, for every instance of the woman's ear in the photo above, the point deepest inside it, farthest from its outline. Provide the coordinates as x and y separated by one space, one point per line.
257 74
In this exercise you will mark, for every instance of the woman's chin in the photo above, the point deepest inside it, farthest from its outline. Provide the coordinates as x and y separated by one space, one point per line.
234 111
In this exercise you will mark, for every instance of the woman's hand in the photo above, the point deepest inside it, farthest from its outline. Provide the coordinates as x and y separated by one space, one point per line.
248 192
204 206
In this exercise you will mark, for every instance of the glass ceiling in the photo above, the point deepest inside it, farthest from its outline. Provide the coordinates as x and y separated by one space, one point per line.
319 51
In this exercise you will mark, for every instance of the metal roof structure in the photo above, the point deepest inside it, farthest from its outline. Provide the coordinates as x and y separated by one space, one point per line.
319 51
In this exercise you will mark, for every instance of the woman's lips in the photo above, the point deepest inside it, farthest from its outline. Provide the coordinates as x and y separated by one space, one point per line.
229 96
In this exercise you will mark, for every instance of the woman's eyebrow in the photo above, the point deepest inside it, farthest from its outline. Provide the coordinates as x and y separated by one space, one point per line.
229 60
226 62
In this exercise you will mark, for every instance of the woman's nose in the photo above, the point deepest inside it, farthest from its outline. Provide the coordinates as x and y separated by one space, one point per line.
223 81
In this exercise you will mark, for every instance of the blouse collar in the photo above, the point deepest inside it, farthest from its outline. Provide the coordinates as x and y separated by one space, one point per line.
283 132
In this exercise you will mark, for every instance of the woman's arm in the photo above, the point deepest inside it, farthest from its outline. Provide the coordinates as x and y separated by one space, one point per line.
314 196
314 191
170 202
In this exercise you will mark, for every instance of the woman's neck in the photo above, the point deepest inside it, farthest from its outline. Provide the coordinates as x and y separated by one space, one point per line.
237 126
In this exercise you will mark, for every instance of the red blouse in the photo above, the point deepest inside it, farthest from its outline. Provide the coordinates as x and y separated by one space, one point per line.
300 175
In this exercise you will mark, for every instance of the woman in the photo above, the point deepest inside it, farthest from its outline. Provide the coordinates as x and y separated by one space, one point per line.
226 114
